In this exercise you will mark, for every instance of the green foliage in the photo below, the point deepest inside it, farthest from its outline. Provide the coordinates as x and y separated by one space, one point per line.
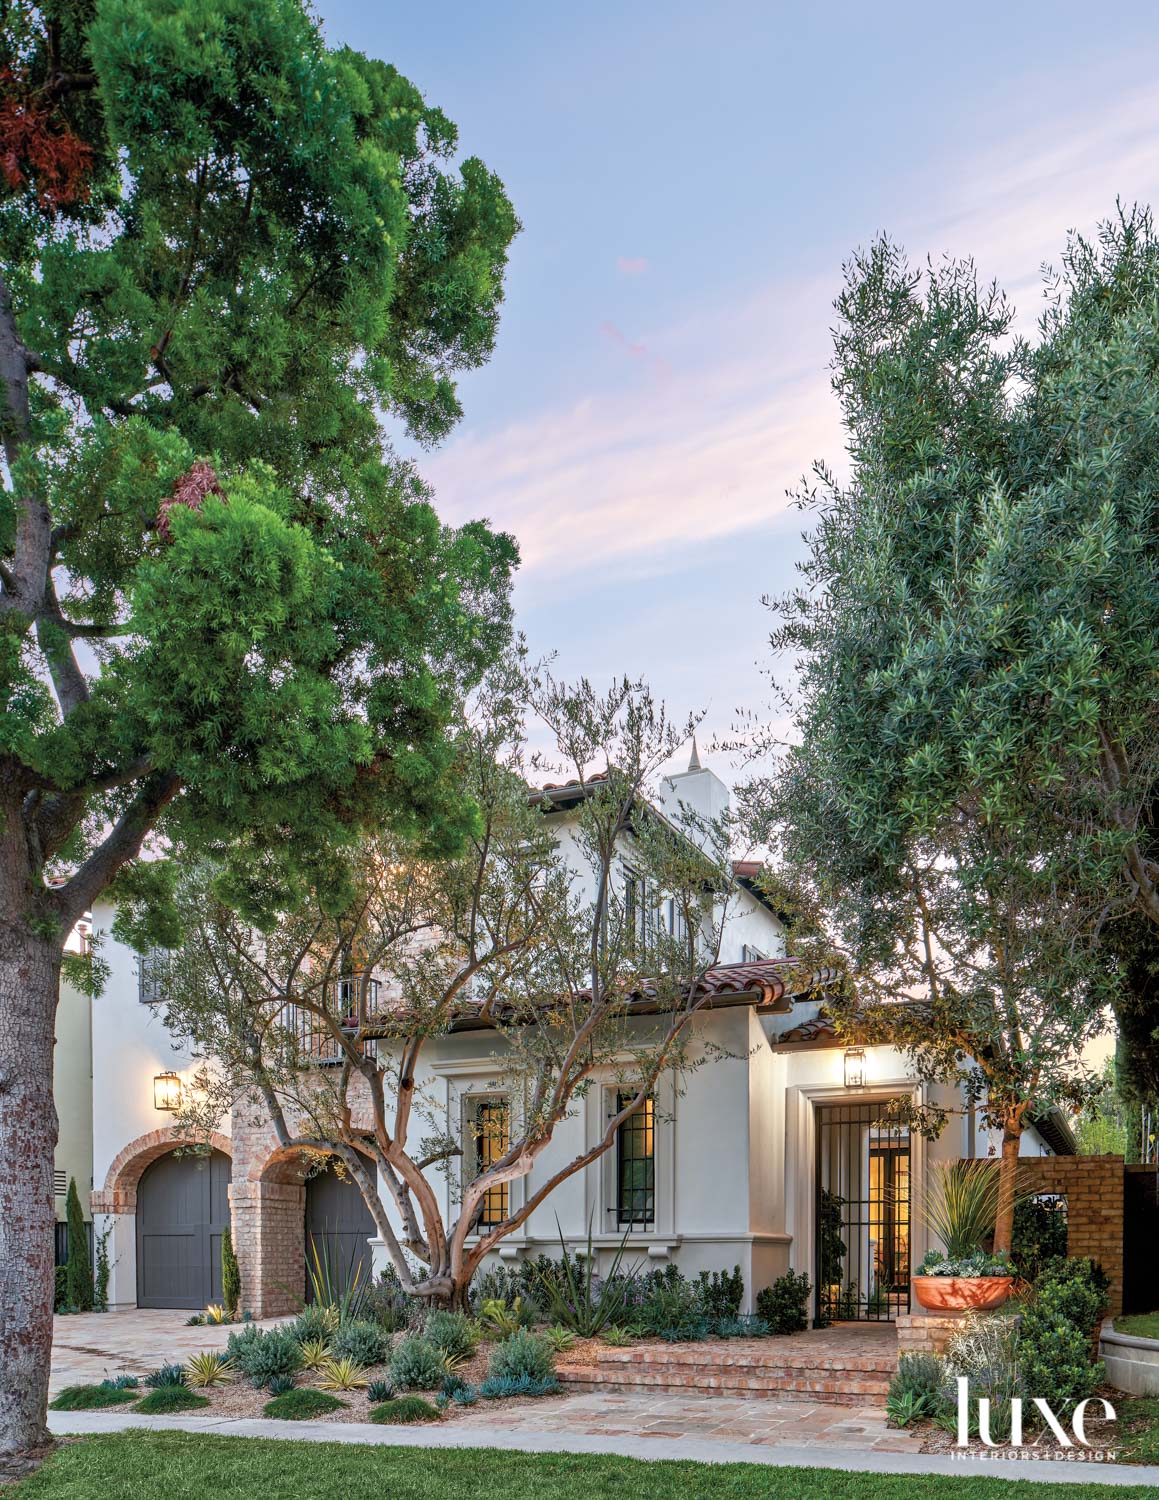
315 1321
230 1274
721 1293
342 1375
260 1354
916 1389
617 1335
165 1375
208 1368
741 1328
379 1390
1055 1351
1040 1234
90 1397
575 1297
986 1350
170 1398
499 1387
523 1354
103 1270
315 1353
59 1288
404 1409
561 1339
278 1385
302 1404
452 1332
784 1305
79 1278
365 1343
980 1263
672 1310
122 1383
961 1204
497 1317
1077 1286
833 1247
417 1365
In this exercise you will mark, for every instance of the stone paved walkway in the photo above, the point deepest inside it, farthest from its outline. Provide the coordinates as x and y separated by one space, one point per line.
87 1347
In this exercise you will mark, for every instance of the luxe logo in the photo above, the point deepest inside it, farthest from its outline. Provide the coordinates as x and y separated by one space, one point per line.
1078 1419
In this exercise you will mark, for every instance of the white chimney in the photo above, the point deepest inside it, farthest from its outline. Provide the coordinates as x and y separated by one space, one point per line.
698 789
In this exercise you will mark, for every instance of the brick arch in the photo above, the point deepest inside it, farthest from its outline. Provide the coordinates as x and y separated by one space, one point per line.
119 1194
287 1165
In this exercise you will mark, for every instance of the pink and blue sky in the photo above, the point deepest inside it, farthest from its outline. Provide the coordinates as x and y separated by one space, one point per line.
690 178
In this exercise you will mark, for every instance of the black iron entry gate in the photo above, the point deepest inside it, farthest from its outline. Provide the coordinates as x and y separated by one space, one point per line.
863 1214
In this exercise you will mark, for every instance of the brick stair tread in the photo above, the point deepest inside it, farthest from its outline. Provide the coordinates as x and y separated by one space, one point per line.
679 1360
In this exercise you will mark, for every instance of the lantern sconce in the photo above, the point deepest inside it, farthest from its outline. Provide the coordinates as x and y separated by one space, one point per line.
854 1067
167 1092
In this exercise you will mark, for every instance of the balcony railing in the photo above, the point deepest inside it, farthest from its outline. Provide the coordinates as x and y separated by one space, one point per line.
349 999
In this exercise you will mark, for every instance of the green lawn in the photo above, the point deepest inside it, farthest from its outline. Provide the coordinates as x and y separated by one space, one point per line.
182 1466
1142 1325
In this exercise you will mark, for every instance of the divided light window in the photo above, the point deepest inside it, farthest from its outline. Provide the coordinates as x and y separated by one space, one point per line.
490 1127
153 976
636 1165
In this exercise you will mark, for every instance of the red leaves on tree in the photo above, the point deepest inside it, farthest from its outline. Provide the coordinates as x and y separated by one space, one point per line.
38 147
190 492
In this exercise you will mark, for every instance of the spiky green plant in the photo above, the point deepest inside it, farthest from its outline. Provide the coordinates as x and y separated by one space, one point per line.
315 1353
961 1204
342 1375
345 1291
209 1368
561 1338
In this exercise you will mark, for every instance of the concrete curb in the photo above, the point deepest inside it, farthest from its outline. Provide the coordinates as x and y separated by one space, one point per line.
868 1461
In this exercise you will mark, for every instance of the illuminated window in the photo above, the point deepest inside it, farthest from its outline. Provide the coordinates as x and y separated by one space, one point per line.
490 1132
636 1165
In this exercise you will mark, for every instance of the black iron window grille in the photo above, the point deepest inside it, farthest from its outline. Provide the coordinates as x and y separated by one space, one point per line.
491 1137
636 1165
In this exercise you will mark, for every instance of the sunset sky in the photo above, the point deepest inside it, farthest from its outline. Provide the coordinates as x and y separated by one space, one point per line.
690 179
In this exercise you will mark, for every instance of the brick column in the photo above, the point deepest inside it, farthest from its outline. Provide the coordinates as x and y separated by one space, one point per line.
268 1221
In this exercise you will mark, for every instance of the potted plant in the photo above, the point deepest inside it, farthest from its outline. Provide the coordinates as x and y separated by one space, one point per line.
960 1208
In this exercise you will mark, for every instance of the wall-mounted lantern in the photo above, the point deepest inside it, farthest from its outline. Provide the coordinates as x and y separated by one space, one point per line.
167 1092
854 1067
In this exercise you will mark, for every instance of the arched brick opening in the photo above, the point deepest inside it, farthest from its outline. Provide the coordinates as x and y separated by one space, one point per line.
269 1213
119 1193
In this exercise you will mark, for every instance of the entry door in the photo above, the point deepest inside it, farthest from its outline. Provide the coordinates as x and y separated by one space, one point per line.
863 1214
338 1227
182 1209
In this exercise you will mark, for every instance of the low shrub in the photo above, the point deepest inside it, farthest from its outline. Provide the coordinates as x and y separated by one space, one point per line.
90 1397
315 1322
721 1293
403 1409
379 1390
1078 1286
523 1354
784 1305
467 1395
500 1318
916 1389
451 1384
497 1387
741 1328
617 1336
60 1288
671 1310
280 1384
166 1375
1054 1350
122 1383
302 1403
388 1305
986 1351
262 1355
416 1365
170 1398
452 1332
365 1343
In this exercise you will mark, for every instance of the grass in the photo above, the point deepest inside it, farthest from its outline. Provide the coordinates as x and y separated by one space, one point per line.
91 1397
301 1404
1137 1430
181 1466
1141 1325
170 1398
405 1409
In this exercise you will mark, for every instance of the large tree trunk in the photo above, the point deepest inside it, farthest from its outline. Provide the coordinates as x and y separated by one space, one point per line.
1007 1189
29 988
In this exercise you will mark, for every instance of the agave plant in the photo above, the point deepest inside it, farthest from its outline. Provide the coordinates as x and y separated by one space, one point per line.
315 1353
617 1335
209 1368
578 1299
343 1375
215 1313
559 1338
331 1286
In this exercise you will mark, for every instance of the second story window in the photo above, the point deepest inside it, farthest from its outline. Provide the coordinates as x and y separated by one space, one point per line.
153 976
489 1137
751 955
636 1165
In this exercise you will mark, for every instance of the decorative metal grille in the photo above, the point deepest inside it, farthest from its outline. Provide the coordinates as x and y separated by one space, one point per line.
492 1135
636 1165
863 1214
153 976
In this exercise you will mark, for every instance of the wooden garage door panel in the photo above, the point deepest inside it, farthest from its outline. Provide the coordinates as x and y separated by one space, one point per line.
339 1225
182 1209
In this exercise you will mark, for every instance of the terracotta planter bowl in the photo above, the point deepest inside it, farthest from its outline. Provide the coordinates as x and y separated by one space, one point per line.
962 1293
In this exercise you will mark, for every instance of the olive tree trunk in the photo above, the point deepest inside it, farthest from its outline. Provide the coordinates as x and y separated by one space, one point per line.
1007 1189
30 963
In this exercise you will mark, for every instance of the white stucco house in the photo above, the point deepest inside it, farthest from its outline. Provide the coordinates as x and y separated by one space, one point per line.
750 1160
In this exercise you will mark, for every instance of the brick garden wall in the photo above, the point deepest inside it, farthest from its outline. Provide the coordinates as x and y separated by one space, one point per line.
1093 1189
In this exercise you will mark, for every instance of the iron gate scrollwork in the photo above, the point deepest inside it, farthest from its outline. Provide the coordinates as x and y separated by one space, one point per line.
863 1214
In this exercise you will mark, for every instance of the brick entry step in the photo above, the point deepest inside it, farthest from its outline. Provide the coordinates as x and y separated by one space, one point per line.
846 1365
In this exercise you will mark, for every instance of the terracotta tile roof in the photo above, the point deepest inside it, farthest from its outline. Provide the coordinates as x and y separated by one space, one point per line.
818 1031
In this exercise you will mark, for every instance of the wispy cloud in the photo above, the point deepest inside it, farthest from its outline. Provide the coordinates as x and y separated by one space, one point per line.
622 479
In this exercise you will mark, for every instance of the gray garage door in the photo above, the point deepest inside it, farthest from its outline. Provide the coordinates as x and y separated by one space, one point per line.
182 1208
338 1224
